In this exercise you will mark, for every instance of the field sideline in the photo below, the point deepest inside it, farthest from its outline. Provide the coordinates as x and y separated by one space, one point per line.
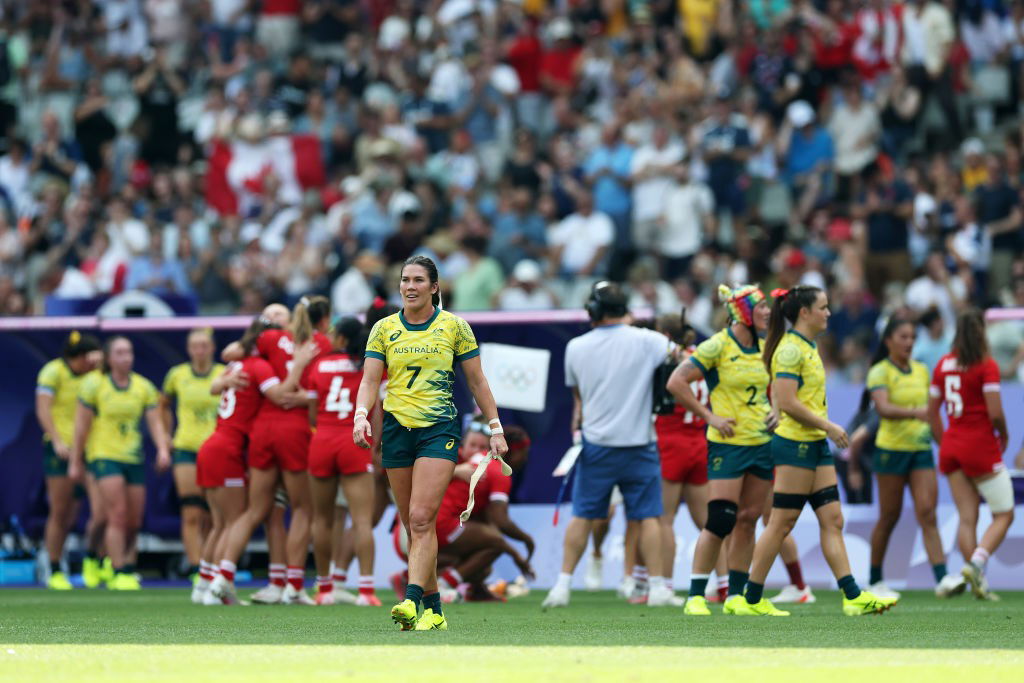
156 635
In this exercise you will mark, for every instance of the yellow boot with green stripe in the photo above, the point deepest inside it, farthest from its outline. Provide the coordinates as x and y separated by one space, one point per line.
404 614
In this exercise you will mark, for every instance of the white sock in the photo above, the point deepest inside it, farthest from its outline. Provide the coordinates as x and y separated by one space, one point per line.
657 582
564 581
980 558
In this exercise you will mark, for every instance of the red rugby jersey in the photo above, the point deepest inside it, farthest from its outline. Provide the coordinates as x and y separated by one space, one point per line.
962 391
238 407
333 380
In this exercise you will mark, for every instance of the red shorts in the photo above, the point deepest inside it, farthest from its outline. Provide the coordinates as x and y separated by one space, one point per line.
221 461
684 457
283 444
332 453
448 529
977 454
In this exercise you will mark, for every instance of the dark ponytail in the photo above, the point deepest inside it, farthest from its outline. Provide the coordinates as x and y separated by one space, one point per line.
427 264
308 313
79 344
881 353
786 307
970 344
258 325
355 334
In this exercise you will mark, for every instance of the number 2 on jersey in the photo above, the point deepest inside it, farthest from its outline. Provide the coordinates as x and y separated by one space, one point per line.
954 401
338 399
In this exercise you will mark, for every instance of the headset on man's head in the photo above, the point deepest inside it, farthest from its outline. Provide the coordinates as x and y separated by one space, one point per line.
607 300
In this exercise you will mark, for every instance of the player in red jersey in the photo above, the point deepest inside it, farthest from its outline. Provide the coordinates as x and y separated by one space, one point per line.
220 462
333 380
279 444
263 479
683 449
966 383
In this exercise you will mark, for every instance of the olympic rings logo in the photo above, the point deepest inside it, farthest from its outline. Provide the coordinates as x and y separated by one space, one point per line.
517 376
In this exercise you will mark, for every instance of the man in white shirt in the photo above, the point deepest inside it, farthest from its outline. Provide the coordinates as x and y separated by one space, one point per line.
611 373
928 35
655 172
689 214
580 242
525 291
936 287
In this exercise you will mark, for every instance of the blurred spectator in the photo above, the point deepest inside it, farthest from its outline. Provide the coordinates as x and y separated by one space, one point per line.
647 290
57 156
885 207
1006 339
580 242
524 290
655 173
725 146
159 88
855 314
933 338
608 170
475 288
15 175
697 305
927 38
809 152
277 28
999 214
155 273
519 230
855 129
354 291
688 219
935 287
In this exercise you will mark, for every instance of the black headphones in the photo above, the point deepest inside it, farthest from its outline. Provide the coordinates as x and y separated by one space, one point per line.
606 301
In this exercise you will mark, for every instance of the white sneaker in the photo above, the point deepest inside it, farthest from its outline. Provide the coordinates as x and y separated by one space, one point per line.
950 586
975 576
661 596
449 595
791 593
344 597
224 591
593 580
199 591
626 587
556 598
268 595
209 599
883 591
292 596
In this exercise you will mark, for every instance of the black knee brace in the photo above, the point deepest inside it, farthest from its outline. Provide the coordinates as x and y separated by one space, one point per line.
194 501
829 494
789 501
721 517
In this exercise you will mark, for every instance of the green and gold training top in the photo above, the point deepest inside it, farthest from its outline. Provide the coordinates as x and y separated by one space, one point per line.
420 360
196 411
738 385
797 358
907 389
57 380
115 433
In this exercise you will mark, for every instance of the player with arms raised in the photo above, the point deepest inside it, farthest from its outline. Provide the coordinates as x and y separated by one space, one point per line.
966 382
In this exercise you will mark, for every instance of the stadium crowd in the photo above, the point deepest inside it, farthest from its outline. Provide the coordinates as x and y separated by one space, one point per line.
243 152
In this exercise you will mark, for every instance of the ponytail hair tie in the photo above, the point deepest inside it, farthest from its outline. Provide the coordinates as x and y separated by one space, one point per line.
75 337
265 321
378 302
724 293
304 302
779 293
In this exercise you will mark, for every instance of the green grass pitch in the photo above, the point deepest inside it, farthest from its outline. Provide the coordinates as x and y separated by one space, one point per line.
156 635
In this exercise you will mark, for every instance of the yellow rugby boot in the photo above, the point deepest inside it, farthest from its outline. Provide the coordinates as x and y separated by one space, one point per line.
404 614
107 570
58 582
765 608
432 622
696 606
123 581
732 603
92 573
867 603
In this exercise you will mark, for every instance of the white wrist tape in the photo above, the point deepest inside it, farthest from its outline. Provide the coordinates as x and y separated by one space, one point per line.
494 421
497 430
362 411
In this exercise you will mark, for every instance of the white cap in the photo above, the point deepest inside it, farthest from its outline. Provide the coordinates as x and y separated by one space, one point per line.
250 232
527 270
973 146
800 113
560 28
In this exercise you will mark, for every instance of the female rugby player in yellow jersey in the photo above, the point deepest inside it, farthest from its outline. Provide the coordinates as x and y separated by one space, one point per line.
111 404
188 385
56 396
898 386
804 467
420 346
739 456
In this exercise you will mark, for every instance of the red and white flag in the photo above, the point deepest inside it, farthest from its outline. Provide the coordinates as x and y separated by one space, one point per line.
237 169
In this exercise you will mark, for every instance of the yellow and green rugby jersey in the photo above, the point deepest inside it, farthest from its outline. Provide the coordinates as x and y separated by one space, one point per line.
57 380
196 411
907 389
797 358
738 382
115 433
420 360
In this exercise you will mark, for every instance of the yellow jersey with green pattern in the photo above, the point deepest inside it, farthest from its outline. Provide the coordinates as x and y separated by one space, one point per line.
117 414
56 379
420 361
907 389
738 385
797 358
196 409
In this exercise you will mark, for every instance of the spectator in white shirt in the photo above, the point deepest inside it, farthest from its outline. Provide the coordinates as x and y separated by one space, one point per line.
928 36
354 291
936 287
856 130
15 176
655 172
525 291
580 242
688 216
